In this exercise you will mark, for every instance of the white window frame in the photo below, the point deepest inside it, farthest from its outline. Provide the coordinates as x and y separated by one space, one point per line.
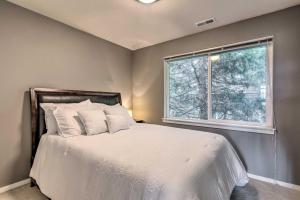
266 128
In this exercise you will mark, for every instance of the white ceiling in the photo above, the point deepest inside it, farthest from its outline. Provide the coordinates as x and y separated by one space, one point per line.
134 25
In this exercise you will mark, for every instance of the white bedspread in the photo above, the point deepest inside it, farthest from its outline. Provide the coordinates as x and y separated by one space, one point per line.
146 162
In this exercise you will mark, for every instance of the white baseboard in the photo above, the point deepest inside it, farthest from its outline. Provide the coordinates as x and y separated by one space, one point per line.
275 182
253 176
14 185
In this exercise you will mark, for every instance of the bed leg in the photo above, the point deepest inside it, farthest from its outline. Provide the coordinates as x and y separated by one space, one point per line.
32 182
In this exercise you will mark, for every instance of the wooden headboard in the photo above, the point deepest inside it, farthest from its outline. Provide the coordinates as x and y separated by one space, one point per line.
46 95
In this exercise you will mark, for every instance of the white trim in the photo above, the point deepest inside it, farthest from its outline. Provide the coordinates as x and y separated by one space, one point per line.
211 124
209 102
14 185
253 176
275 182
261 178
269 96
218 47
266 128
166 90
289 185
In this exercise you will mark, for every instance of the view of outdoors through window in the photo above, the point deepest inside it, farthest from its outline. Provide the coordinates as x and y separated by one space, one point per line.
188 83
238 85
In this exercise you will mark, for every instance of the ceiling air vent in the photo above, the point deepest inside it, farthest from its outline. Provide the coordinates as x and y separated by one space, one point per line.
205 22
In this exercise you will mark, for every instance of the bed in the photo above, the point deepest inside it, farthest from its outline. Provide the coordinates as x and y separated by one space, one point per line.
147 162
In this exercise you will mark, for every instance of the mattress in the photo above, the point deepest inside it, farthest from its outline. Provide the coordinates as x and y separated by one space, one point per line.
145 162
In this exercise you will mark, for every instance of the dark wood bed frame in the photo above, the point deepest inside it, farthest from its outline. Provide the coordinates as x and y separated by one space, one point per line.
46 95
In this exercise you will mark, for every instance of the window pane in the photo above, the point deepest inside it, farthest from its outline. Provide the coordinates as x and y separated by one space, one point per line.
239 84
188 88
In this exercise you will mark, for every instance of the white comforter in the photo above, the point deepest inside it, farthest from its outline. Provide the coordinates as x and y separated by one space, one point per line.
146 162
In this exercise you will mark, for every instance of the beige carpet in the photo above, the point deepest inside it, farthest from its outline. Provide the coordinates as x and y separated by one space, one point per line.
255 190
23 193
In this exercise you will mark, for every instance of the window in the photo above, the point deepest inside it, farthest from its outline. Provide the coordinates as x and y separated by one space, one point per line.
228 88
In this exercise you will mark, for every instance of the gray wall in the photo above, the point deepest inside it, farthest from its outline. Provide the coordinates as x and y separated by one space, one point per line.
256 150
36 51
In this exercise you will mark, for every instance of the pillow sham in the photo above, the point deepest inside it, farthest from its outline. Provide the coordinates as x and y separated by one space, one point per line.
51 124
119 110
96 106
94 121
116 123
68 122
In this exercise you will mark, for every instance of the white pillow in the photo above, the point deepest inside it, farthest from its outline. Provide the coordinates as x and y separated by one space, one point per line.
51 124
68 122
96 106
94 121
116 123
119 110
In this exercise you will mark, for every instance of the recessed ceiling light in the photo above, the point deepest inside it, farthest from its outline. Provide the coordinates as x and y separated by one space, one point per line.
147 1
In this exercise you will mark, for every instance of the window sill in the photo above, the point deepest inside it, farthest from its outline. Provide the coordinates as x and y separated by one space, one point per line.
235 127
